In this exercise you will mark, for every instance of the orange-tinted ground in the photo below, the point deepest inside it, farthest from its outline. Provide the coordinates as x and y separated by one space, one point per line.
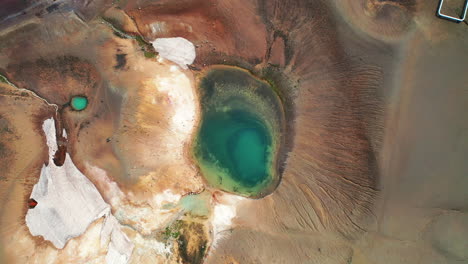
376 142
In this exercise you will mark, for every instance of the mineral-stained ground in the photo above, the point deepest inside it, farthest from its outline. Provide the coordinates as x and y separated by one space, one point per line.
371 131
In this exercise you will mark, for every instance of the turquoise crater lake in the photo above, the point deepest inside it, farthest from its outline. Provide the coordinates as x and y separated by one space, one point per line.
236 145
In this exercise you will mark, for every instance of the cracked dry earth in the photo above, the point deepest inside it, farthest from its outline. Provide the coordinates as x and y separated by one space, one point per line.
373 134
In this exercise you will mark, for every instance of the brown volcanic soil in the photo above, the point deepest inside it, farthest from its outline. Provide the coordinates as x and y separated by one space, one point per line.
119 119
22 154
126 134
331 173
375 152
212 26
344 70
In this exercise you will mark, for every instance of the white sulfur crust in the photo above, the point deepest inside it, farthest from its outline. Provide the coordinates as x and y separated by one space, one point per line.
224 212
68 203
120 247
177 50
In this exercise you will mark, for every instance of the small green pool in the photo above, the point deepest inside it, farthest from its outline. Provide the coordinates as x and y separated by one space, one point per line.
79 103
239 133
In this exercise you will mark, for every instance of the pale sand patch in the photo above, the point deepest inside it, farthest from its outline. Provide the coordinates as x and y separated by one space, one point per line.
112 194
158 117
166 197
144 217
158 27
181 97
